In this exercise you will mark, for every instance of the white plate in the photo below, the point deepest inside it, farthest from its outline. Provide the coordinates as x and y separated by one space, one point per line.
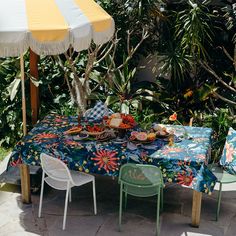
80 137
119 141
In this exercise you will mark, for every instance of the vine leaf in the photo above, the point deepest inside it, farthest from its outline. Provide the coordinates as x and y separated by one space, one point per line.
13 88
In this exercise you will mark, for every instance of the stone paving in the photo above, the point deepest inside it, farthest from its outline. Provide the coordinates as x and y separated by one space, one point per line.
139 218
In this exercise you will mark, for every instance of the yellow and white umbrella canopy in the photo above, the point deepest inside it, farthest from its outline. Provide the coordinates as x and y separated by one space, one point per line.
49 27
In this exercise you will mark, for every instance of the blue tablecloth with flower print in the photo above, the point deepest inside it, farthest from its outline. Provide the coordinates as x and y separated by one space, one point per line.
183 163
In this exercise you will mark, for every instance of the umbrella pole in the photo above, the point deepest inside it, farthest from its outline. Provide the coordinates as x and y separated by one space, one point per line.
24 169
23 94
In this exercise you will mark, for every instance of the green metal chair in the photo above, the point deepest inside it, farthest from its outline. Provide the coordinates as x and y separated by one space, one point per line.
223 177
141 181
226 173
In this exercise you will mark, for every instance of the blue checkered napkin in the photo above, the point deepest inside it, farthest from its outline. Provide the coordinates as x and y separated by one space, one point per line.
98 111
110 112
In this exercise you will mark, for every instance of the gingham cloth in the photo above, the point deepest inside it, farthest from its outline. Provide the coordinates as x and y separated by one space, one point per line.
98 111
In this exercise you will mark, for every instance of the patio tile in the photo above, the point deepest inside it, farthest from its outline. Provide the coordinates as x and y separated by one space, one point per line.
138 219
177 225
131 225
75 225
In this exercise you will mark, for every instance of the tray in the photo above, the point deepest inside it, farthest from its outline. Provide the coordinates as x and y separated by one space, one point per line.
71 131
93 133
80 136
143 142
107 136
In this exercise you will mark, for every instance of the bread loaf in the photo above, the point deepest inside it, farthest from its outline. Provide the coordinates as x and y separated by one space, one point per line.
115 122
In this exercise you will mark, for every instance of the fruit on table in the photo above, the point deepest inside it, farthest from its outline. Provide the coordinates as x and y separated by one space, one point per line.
119 120
128 119
134 133
94 129
162 132
151 136
125 126
132 137
141 136
159 128
74 130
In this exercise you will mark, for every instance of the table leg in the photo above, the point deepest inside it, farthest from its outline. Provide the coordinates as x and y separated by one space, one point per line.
196 208
25 183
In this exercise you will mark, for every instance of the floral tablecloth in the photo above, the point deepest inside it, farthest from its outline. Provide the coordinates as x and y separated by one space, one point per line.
183 163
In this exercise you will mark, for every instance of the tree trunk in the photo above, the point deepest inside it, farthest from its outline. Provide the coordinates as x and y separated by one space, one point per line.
80 95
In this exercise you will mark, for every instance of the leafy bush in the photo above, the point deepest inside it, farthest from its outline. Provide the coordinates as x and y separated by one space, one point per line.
196 43
10 114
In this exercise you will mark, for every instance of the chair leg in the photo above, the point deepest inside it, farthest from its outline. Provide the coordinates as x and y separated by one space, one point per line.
66 204
162 202
94 198
41 195
126 197
218 202
158 212
70 195
120 209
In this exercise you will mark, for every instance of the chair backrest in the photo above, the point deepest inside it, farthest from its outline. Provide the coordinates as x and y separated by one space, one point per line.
140 175
55 168
228 158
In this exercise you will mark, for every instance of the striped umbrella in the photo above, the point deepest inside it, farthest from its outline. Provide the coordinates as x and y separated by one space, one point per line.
50 27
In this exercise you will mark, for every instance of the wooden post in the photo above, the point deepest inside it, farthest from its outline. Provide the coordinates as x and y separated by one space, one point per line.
34 91
196 208
197 201
25 183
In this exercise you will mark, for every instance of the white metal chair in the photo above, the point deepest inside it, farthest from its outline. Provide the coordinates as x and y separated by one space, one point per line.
61 178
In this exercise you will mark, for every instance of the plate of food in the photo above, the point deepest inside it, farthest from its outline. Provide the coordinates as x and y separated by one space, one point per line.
80 136
94 130
161 131
162 134
121 126
106 136
142 137
74 130
119 140
120 121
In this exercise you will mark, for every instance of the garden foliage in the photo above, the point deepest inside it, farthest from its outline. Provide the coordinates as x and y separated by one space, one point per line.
195 45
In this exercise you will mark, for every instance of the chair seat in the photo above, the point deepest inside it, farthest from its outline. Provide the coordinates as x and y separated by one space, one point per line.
221 175
139 191
81 178
60 185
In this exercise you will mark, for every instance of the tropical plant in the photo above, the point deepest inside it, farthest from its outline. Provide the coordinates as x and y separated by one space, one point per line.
196 41
188 35
88 79
134 16
10 114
